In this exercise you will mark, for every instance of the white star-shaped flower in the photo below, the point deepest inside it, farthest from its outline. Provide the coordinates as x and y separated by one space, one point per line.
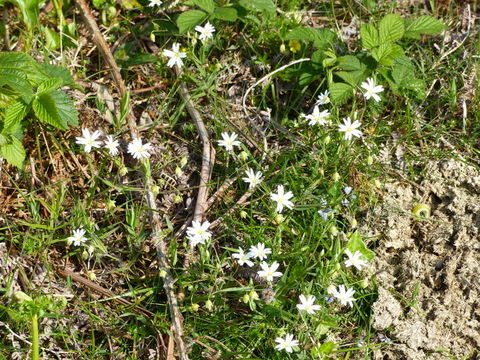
89 140
269 271
350 129
206 32
78 237
111 145
318 117
323 98
306 304
139 150
355 259
229 141
259 251
198 233
253 178
371 90
282 198
155 3
345 296
243 258
175 55
286 343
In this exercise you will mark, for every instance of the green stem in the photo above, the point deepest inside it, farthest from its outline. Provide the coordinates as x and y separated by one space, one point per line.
35 338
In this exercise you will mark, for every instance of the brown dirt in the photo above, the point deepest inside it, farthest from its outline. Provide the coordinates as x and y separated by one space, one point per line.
427 269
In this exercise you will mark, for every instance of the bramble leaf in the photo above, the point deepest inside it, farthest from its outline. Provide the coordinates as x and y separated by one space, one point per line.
13 151
369 36
340 93
391 28
189 19
424 25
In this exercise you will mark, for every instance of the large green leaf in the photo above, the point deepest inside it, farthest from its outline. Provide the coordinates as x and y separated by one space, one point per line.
46 110
259 5
13 151
424 25
207 5
391 28
369 36
16 81
226 13
49 85
340 93
65 108
14 114
53 71
189 19
321 38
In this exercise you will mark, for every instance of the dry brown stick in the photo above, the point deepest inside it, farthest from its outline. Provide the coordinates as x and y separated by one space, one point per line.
104 49
208 153
161 246
102 291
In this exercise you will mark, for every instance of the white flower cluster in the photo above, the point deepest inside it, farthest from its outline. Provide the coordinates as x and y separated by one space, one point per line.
91 140
260 252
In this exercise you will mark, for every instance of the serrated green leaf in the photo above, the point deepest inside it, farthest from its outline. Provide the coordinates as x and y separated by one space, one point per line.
16 81
354 78
13 151
14 114
350 62
21 63
45 109
53 71
383 53
207 5
189 19
259 5
403 71
321 38
65 108
49 86
340 93
424 25
355 243
369 36
391 28
225 13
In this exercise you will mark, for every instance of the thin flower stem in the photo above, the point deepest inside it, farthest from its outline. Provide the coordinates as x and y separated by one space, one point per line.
35 338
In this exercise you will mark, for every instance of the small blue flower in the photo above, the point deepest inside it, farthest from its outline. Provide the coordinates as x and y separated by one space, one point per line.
384 339
347 190
353 196
324 213
329 299
345 202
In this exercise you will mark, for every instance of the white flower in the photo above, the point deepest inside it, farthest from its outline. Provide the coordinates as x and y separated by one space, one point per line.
269 271
253 179
206 32
349 128
175 55
371 89
112 145
344 296
282 198
243 258
198 233
306 304
229 141
78 237
355 259
318 117
139 150
286 344
155 2
323 98
259 251
89 140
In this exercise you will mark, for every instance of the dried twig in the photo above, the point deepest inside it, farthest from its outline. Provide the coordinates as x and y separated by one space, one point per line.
102 291
161 246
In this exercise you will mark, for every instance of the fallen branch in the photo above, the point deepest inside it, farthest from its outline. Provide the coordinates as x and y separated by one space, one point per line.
158 239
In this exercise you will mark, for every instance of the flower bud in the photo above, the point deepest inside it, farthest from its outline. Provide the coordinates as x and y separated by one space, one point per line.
369 160
364 283
377 183
152 37
333 230
243 155
279 218
162 273
209 305
337 266
195 307
111 204
123 171
326 140
155 190
336 176
91 275
183 161
245 298
243 214
353 223
178 171
90 250
85 255
283 49
253 295
177 199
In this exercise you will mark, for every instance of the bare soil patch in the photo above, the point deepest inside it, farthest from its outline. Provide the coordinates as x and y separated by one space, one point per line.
427 269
